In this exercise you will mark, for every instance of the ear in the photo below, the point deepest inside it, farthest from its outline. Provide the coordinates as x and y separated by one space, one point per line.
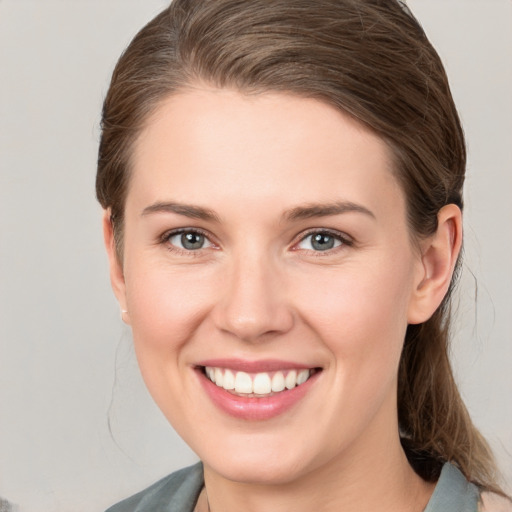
116 267
439 254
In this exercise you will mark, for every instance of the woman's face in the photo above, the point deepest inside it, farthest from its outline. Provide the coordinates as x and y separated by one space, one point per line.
266 247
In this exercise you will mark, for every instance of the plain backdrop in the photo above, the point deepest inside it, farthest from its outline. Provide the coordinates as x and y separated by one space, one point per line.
78 430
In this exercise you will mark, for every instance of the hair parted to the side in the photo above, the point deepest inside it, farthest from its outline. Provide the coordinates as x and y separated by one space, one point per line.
368 58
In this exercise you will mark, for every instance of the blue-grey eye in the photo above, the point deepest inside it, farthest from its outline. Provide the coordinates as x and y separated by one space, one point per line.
189 240
319 241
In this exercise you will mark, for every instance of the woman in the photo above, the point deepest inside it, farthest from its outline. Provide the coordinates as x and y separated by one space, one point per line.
282 185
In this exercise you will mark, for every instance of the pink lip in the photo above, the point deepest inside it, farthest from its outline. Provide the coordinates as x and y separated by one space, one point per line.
252 408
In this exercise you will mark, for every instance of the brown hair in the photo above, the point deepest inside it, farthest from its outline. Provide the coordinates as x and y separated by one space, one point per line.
368 58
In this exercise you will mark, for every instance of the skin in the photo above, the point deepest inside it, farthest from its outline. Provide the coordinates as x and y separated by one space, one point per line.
259 290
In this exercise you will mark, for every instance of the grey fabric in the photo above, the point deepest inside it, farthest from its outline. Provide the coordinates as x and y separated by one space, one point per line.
179 492
5 506
453 493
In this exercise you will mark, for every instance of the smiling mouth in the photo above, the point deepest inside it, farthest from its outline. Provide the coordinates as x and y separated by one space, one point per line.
258 385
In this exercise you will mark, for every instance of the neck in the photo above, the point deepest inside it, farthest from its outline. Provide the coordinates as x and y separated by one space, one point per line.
380 479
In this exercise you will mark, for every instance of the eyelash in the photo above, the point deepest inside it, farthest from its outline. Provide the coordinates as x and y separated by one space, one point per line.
165 240
344 240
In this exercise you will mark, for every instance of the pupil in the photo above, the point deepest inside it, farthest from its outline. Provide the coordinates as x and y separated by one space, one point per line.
322 242
192 240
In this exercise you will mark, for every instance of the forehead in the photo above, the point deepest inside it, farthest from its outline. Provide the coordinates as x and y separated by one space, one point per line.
220 145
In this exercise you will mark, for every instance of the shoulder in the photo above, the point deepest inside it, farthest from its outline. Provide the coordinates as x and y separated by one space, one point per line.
490 502
176 492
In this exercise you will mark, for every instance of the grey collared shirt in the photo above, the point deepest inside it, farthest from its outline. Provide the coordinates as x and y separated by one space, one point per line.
179 491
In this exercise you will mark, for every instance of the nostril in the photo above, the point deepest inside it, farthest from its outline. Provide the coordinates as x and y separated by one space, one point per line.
260 324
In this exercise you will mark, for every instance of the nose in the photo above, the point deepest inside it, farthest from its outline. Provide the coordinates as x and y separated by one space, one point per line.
253 303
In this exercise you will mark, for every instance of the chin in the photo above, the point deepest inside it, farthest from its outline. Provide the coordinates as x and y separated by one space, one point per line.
248 472
271 466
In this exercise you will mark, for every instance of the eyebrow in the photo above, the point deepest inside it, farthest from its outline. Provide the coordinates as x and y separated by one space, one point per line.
323 210
187 210
308 211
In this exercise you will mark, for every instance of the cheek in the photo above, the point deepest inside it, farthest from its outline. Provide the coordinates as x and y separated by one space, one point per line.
360 313
361 318
166 309
165 306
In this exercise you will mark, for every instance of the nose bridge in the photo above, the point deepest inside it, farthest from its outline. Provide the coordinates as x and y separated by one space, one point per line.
254 301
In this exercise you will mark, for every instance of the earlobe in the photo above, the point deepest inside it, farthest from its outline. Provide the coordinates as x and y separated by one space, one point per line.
116 268
439 255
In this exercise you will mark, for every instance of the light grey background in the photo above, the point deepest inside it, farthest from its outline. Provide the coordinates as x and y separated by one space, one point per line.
59 324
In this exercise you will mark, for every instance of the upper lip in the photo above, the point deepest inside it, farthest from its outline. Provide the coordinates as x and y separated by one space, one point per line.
263 365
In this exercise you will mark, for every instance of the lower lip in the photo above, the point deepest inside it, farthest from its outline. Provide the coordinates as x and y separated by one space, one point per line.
252 408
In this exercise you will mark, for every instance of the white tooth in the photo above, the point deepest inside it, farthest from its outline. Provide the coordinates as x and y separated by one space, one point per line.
229 380
243 383
210 372
291 380
219 377
302 377
262 384
278 382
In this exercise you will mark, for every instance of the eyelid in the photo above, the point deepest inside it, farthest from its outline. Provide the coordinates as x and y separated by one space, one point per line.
346 240
167 235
